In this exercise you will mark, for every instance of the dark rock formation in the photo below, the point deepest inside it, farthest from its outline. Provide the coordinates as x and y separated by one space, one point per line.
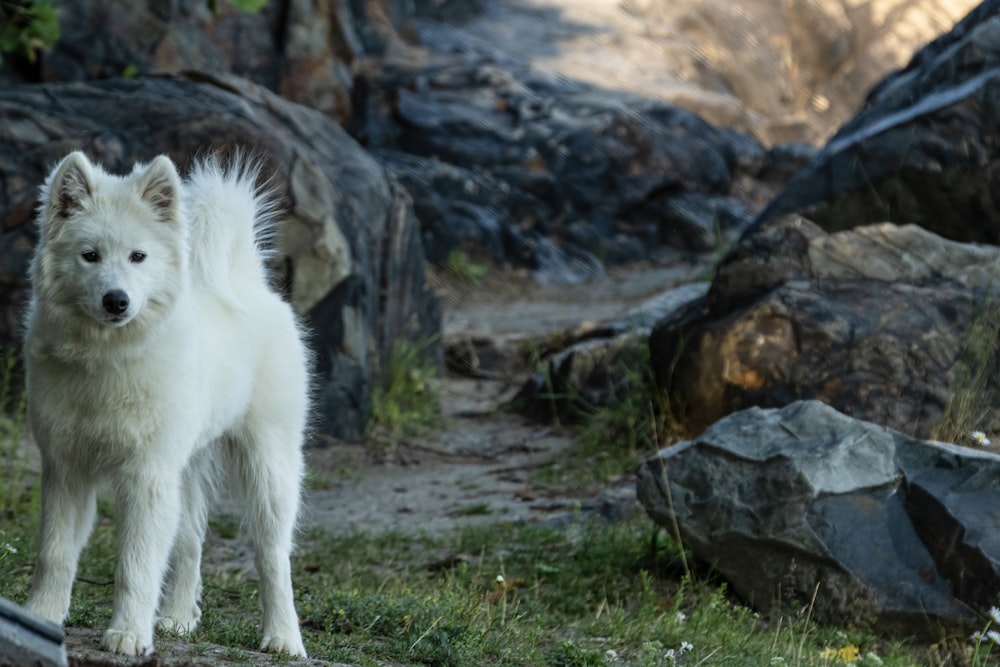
804 500
549 174
303 50
502 162
924 148
349 254
597 363
890 324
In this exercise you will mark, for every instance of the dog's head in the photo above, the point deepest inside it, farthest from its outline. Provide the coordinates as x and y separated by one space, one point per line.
113 247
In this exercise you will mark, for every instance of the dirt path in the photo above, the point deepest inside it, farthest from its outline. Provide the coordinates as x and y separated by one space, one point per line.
483 464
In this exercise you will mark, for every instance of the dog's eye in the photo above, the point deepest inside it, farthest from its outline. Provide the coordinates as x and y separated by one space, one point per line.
137 257
91 256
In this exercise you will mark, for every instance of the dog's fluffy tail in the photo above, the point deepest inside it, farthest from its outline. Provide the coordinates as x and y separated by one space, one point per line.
232 224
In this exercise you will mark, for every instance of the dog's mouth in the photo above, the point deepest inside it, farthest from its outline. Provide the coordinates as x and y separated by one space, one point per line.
117 320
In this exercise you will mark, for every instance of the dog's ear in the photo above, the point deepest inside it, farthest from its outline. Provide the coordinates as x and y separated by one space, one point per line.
160 187
71 184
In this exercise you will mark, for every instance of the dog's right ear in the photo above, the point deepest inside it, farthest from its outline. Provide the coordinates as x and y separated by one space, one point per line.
70 185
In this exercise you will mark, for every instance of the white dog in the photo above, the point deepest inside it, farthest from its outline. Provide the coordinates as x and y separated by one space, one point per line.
158 359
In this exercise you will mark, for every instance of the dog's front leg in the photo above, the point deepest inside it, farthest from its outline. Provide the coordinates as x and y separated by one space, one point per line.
148 509
68 510
179 611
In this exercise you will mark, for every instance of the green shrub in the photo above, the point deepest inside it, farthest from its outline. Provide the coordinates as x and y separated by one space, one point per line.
27 27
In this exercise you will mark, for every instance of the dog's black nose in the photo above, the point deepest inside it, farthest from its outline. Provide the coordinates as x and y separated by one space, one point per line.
115 302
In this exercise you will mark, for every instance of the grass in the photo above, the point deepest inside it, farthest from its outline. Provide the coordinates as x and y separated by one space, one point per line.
612 439
974 392
497 594
594 595
461 268
28 28
407 400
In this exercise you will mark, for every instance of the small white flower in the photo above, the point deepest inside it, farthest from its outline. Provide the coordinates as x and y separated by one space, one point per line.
671 655
980 438
611 655
499 578
994 615
681 617
976 636
993 636
9 548
686 647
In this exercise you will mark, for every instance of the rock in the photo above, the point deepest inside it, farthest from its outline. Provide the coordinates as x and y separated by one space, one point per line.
921 150
788 70
551 175
890 324
29 639
349 252
612 505
379 24
595 364
488 356
803 502
448 10
301 49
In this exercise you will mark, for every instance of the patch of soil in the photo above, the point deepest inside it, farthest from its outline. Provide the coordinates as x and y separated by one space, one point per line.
483 464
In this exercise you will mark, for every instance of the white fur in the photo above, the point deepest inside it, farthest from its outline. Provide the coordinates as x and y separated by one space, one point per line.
192 368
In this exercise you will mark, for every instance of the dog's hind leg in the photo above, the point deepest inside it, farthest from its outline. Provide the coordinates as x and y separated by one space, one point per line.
179 610
269 467
149 509
68 510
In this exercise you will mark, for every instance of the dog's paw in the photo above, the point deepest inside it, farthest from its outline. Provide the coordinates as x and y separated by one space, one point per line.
290 645
125 643
179 622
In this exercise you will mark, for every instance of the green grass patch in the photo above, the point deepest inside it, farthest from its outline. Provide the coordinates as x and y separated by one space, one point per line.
975 394
27 28
499 594
407 400
460 267
611 439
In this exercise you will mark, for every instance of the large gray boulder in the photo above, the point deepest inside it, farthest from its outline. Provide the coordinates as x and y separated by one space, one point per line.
349 254
892 324
923 148
806 502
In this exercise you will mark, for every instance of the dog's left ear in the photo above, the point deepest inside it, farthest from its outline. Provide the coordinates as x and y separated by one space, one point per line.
160 187
70 185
